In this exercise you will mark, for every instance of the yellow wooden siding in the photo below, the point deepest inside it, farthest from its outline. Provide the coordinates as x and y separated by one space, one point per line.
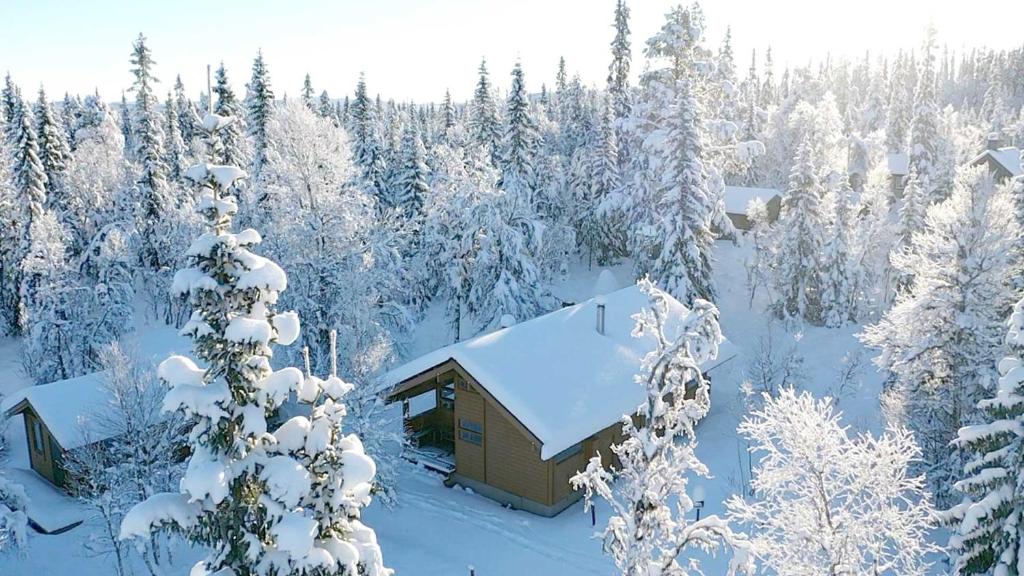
563 471
513 461
470 458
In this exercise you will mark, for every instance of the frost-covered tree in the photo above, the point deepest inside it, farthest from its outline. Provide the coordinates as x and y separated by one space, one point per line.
29 192
648 529
797 269
941 339
138 458
307 93
988 534
13 505
826 503
188 119
320 227
839 279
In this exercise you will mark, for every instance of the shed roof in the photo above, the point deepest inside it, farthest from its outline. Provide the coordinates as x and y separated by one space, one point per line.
738 197
1007 157
67 407
560 378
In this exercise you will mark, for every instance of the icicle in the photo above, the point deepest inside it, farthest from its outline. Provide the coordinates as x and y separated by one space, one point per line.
305 357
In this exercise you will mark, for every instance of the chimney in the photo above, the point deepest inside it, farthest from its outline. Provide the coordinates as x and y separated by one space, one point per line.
600 315
993 141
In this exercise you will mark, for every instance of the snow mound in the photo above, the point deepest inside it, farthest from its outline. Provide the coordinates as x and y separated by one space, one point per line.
206 476
287 480
182 370
606 283
287 326
294 534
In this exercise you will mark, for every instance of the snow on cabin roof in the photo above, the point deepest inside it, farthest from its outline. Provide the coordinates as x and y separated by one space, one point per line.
899 163
1007 157
737 197
555 373
68 407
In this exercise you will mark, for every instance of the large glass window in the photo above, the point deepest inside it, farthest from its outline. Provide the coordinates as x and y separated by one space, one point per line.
471 431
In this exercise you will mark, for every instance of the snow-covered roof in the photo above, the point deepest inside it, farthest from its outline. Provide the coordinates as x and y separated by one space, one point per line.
899 164
555 373
1007 157
67 407
737 197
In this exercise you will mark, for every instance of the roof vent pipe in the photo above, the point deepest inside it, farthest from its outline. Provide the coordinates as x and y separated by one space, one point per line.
600 315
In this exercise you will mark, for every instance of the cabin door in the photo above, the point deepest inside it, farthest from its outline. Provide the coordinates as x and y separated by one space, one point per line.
40 449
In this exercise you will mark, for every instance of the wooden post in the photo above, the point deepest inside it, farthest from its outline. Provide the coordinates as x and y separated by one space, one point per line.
593 516
472 571
334 353
209 92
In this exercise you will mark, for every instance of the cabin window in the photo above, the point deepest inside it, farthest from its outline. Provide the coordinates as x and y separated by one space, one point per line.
37 436
421 403
568 453
448 396
470 431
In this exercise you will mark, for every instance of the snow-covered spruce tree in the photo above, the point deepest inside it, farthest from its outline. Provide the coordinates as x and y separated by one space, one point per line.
649 529
838 277
246 494
232 136
29 179
797 271
259 107
943 336
683 266
618 75
148 141
608 238
761 235
924 126
411 188
324 107
176 149
504 277
188 119
10 235
367 148
307 93
988 535
54 153
124 117
483 124
824 503
519 147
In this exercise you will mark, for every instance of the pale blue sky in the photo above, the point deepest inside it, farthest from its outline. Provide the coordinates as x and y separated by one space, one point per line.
414 49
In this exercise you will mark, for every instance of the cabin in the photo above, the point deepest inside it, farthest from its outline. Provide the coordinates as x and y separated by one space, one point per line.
1003 163
737 198
62 416
899 168
515 413
56 418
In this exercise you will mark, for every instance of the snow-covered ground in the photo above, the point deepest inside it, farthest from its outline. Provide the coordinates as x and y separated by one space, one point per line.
440 531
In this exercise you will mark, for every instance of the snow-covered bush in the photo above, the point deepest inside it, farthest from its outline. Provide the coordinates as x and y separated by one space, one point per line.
827 503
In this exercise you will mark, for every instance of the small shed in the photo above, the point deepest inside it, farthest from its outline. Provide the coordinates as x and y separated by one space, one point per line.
522 409
56 420
61 416
899 168
737 198
1003 163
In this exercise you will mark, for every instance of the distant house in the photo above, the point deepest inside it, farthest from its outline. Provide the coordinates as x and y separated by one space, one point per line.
1003 163
737 198
61 417
517 412
899 169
